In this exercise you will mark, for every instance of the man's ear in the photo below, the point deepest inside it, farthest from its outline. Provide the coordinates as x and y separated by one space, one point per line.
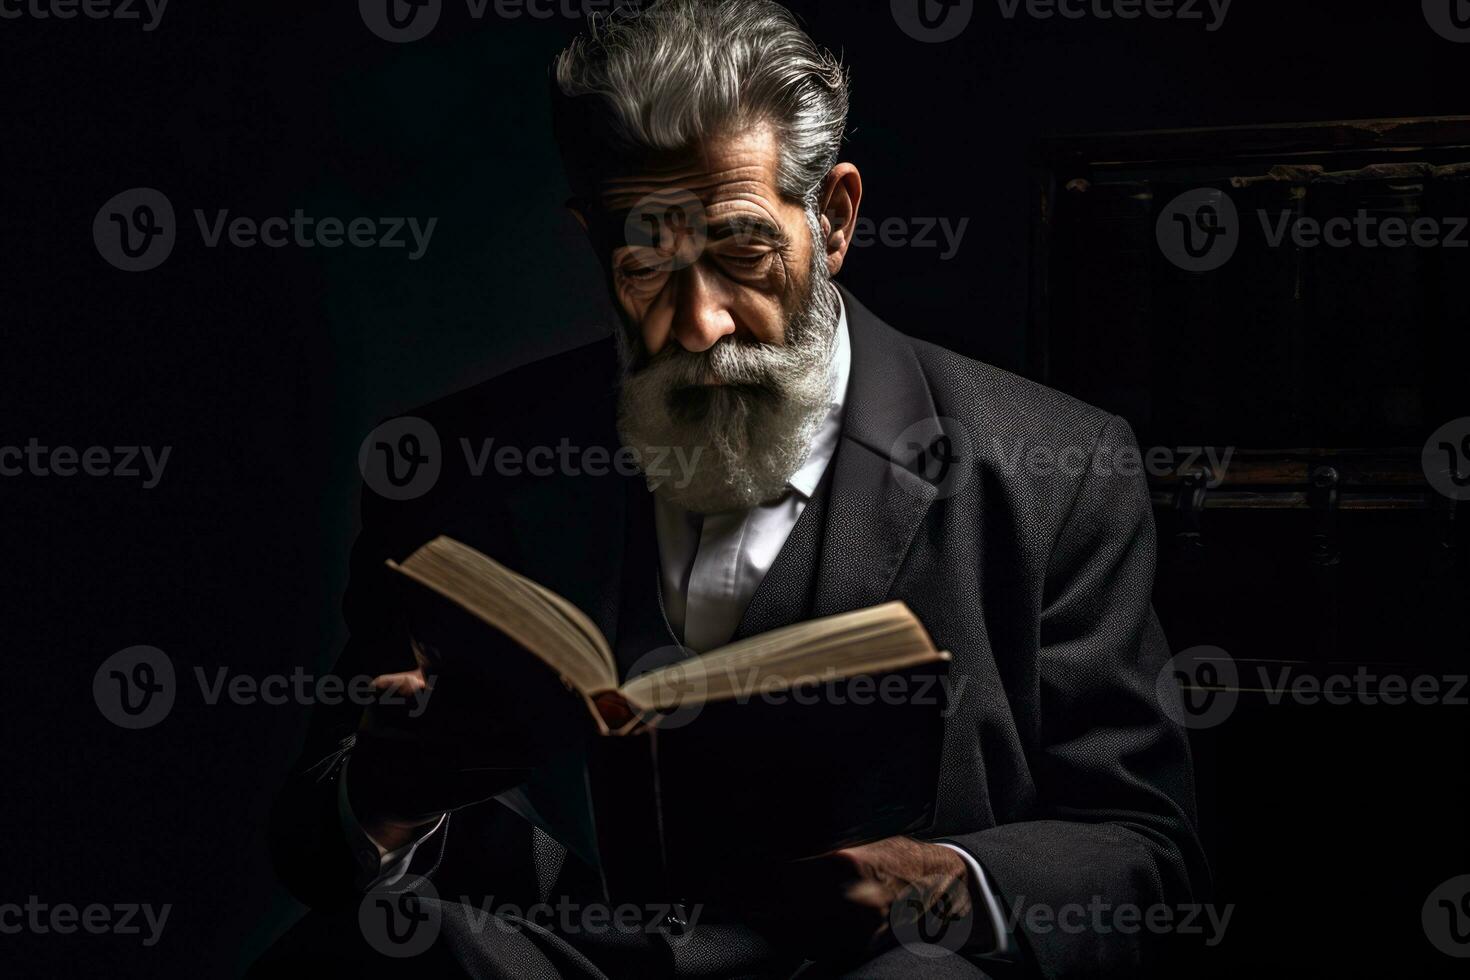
842 192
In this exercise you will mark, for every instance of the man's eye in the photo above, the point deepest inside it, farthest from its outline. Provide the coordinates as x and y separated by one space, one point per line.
640 273
751 260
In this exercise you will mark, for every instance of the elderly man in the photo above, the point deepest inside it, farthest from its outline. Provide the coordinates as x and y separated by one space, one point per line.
837 464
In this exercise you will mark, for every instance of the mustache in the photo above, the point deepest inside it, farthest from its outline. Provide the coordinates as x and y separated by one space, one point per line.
731 363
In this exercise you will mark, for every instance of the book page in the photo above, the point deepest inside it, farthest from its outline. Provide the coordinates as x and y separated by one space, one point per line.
547 625
867 641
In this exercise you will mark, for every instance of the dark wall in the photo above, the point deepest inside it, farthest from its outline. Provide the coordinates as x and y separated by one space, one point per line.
262 368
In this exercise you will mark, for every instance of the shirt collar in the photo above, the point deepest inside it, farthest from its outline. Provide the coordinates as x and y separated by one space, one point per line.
824 443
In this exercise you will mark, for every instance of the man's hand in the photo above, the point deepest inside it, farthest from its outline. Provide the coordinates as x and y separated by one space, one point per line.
406 772
371 794
842 907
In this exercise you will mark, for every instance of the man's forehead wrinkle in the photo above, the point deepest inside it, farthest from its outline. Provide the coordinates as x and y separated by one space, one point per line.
712 189
743 160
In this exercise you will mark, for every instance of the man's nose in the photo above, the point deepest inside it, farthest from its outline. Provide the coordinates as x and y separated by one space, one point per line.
701 312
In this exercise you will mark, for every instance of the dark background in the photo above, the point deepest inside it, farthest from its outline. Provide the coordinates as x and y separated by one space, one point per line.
263 369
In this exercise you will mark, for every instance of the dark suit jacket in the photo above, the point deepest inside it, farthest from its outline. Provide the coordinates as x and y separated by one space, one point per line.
1060 773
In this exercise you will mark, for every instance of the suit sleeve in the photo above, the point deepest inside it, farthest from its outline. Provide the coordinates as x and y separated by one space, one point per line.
313 854
1113 825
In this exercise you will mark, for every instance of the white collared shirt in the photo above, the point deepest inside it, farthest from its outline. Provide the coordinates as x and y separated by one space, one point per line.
711 565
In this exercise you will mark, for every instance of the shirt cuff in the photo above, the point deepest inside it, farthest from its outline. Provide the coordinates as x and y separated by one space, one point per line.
1005 943
375 862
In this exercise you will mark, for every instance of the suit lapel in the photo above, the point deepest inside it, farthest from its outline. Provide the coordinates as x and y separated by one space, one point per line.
878 498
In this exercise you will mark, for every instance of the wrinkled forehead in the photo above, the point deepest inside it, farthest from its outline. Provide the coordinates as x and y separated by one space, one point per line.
725 181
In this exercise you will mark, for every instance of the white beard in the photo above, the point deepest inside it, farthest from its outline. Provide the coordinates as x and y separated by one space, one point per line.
747 436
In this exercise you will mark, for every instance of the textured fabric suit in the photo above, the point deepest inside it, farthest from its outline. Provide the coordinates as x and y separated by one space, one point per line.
1018 543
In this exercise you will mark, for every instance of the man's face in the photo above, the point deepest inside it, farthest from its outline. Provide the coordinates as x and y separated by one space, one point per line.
729 319
724 256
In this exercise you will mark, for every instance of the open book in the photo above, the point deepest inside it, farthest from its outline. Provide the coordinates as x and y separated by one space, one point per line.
818 735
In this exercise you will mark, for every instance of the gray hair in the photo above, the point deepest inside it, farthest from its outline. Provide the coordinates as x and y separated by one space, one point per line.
664 77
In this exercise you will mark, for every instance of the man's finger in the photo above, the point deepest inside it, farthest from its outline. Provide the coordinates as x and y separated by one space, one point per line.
405 683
